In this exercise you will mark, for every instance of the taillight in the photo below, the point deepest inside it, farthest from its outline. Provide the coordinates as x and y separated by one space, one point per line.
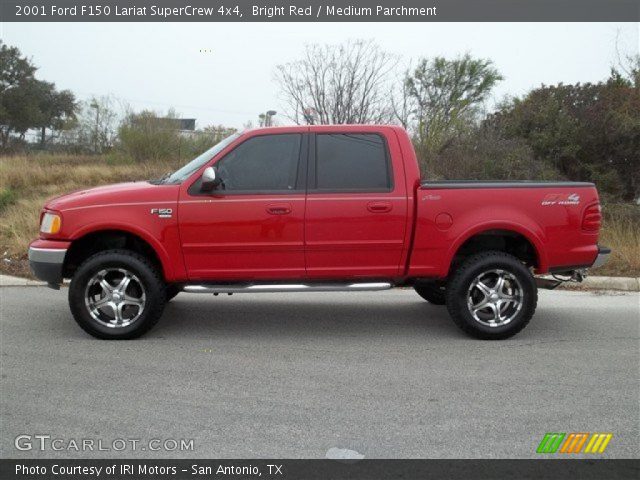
592 218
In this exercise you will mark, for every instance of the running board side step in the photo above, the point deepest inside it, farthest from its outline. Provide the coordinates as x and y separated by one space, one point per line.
283 287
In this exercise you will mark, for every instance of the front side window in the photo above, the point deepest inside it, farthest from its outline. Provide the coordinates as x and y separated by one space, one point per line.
190 168
352 162
265 163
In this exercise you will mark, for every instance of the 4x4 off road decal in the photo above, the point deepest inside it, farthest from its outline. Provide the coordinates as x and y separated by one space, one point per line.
561 199
574 443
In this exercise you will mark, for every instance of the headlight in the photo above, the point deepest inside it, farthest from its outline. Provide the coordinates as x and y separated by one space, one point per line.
51 223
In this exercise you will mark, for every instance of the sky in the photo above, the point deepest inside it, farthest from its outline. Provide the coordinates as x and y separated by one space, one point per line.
223 73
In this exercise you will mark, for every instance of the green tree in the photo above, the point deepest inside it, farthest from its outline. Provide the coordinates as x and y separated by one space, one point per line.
445 97
14 69
26 102
587 132
56 110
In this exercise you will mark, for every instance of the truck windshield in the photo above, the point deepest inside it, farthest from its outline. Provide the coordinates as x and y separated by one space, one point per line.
185 172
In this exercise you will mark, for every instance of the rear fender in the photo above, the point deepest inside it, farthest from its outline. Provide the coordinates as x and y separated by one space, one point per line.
533 238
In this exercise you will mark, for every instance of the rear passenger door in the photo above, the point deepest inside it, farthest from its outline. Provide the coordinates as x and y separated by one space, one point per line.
356 206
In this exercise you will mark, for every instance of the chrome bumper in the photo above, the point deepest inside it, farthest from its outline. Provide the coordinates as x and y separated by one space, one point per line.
46 264
603 256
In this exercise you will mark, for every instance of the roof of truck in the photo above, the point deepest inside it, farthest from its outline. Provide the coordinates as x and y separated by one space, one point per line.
324 128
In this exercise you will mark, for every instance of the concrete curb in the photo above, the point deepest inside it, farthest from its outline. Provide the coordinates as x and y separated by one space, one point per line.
625 284
11 281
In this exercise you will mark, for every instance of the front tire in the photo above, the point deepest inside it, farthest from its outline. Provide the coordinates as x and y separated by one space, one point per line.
492 296
117 295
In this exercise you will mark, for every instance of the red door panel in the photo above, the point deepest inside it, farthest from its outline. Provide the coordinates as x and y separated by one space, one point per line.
238 237
346 238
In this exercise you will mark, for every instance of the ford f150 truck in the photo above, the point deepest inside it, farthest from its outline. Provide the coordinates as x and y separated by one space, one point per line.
314 208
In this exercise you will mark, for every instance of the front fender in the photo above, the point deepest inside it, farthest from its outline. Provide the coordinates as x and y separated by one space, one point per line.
168 263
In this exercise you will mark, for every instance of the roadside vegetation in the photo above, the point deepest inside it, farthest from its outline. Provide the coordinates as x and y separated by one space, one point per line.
27 182
583 132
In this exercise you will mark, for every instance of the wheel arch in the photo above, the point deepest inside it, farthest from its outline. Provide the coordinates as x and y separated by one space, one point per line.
93 240
510 238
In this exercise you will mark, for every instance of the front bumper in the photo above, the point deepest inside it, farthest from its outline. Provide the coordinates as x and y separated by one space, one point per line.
602 258
46 264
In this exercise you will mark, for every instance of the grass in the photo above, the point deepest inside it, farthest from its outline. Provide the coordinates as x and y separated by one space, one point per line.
7 197
621 233
26 182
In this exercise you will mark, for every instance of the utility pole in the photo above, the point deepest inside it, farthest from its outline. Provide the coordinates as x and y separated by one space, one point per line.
95 105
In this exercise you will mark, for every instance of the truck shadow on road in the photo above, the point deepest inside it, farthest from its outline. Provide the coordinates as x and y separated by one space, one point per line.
253 316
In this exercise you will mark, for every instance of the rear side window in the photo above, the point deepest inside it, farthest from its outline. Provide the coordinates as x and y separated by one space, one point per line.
266 163
352 162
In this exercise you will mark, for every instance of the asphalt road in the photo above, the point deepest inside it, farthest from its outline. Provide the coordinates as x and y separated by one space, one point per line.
272 375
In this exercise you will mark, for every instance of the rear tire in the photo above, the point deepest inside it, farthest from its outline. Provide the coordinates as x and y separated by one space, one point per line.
492 296
117 295
432 293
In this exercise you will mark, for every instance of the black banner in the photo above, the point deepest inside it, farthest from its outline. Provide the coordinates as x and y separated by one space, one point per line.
320 11
319 469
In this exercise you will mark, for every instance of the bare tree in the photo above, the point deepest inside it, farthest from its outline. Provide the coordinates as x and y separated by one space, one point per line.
402 102
96 125
347 83
628 65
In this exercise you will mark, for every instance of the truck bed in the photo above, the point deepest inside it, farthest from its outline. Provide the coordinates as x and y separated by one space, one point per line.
501 184
549 215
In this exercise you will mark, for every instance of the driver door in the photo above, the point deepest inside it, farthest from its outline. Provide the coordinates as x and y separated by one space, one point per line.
252 225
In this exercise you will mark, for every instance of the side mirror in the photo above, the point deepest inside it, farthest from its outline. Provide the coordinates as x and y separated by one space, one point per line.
210 179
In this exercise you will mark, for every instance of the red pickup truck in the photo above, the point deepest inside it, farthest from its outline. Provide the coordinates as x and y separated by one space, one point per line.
314 208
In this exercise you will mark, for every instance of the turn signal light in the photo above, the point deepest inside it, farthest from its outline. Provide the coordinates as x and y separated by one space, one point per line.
51 223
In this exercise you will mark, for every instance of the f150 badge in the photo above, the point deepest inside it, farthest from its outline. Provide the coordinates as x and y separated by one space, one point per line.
561 199
162 212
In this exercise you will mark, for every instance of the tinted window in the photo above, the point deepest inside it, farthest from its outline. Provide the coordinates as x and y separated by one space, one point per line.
262 164
351 162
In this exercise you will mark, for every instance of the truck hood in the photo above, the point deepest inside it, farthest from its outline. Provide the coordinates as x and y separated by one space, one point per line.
116 194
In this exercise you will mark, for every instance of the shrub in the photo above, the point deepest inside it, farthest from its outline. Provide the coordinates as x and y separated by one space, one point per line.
144 136
7 197
147 137
483 154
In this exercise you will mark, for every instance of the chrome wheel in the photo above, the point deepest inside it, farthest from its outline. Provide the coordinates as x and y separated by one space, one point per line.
494 298
115 297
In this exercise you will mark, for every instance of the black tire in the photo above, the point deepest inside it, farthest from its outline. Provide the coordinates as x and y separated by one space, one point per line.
171 290
432 293
483 266
145 277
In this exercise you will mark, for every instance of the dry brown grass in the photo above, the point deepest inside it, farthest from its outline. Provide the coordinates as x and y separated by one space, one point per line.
27 182
621 233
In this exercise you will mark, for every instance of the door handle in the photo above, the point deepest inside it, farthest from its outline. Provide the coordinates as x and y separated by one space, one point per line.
279 209
379 207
